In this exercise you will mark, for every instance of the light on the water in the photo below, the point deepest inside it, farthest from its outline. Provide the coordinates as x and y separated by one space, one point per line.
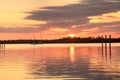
72 57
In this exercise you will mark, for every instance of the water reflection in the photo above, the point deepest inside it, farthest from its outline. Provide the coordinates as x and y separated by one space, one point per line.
72 57
106 51
60 63
2 48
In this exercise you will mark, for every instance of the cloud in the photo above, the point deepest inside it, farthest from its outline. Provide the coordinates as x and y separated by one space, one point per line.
105 18
21 29
101 27
76 14
74 11
73 17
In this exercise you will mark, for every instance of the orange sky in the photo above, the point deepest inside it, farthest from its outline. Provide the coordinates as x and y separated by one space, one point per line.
55 19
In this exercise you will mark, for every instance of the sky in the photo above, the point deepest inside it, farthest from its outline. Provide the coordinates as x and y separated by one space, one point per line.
55 19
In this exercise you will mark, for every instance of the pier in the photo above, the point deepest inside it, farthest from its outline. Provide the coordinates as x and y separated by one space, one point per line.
106 47
2 48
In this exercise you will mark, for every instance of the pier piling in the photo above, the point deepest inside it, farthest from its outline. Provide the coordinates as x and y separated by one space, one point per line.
105 48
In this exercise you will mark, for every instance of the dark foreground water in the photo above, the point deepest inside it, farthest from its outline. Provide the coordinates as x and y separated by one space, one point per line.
59 62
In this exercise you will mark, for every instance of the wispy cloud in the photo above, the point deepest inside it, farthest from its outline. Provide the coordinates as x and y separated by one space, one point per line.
77 14
77 18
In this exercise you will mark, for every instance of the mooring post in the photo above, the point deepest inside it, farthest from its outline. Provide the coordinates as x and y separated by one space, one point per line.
102 41
0 45
106 45
110 46
4 44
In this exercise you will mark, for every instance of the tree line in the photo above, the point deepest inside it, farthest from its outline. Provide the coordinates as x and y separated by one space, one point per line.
63 40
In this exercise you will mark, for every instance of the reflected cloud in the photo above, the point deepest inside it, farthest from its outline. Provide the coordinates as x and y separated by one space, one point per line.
46 62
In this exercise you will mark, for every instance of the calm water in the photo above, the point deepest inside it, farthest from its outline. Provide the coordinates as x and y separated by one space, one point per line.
59 62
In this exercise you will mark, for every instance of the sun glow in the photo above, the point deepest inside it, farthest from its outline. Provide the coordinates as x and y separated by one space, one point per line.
71 35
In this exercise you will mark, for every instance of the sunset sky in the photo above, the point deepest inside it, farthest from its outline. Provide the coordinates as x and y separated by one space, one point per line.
23 19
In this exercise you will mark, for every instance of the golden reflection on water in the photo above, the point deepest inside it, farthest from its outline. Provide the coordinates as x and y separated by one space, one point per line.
72 56
72 61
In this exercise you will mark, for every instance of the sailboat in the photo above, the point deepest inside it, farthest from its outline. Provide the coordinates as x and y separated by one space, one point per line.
36 41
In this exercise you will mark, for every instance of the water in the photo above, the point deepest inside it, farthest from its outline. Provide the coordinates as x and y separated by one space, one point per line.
59 62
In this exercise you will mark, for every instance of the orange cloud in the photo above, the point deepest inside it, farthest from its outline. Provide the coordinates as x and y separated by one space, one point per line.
105 18
91 30
59 29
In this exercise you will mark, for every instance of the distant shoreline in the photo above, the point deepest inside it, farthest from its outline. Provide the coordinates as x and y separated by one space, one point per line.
55 43
64 40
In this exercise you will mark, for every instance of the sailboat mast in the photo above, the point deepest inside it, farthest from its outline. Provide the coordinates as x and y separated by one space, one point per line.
40 36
